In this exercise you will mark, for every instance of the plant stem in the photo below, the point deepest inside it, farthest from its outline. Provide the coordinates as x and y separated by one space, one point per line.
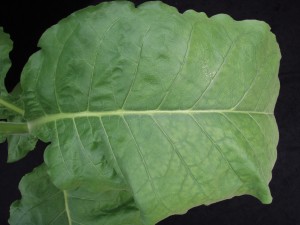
11 107
13 128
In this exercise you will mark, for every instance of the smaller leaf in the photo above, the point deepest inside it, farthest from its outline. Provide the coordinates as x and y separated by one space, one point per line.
43 203
5 47
19 146
11 106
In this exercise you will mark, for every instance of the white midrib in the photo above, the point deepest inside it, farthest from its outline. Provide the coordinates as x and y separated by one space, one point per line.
67 207
59 116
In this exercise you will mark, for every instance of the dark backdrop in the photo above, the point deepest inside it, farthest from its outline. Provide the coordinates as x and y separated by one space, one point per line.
27 20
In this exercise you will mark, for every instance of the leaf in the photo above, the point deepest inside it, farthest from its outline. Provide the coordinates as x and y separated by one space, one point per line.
11 107
5 47
19 146
175 108
41 197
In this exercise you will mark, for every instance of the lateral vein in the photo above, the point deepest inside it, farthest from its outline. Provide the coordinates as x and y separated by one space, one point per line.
11 107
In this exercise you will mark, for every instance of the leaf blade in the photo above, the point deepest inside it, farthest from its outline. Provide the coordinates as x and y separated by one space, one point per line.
129 103
41 197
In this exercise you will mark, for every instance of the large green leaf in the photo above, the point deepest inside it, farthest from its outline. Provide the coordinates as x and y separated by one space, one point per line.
43 203
175 108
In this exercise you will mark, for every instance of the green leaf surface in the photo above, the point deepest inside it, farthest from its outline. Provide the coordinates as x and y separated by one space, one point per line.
20 142
5 47
19 146
11 109
43 203
175 108
11 104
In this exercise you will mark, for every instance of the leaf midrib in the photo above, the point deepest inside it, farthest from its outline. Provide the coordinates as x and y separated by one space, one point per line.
67 207
59 116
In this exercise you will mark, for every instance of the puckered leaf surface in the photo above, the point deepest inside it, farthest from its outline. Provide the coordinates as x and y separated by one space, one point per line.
11 106
43 203
5 47
176 108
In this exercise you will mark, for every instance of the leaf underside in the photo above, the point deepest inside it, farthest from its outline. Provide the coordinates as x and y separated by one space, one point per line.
174 110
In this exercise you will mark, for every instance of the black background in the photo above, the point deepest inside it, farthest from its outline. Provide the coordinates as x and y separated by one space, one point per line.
27 20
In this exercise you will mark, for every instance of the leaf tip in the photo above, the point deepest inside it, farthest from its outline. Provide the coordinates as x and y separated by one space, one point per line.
264 196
